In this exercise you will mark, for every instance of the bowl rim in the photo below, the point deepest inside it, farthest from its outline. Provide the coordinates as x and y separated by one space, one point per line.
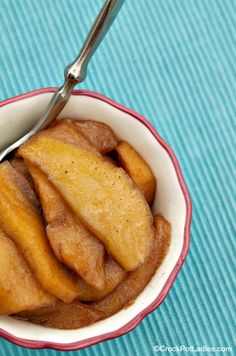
36 344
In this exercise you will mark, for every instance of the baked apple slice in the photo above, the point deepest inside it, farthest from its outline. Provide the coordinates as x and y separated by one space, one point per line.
137 280
19 165
66 131
71 242
103 196
140 172
63 316
98 134
19 290
114 275
21 220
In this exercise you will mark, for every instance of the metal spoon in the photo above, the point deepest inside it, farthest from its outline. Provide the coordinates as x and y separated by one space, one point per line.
75 72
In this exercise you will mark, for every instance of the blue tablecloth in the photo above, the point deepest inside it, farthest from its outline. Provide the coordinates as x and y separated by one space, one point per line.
174 61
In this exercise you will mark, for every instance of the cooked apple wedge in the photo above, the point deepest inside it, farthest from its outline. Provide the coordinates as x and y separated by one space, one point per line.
66 131
71 242
114 276
19 290
20 219
137 280
137 169
98 134
102 195
63 316
19 165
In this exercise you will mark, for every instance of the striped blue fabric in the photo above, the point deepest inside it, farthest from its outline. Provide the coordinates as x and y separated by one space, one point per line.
174 61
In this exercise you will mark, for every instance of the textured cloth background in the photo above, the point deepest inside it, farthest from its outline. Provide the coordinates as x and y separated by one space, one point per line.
174 61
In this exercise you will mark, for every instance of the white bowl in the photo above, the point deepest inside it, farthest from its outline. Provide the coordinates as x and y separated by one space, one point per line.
17 115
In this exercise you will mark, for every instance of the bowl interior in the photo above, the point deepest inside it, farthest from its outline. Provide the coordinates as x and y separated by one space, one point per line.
16 119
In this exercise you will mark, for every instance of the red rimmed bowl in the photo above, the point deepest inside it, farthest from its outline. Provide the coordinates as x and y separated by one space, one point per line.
17 116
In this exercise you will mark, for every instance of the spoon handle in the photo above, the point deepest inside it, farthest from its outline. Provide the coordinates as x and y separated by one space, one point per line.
74 73
77 70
